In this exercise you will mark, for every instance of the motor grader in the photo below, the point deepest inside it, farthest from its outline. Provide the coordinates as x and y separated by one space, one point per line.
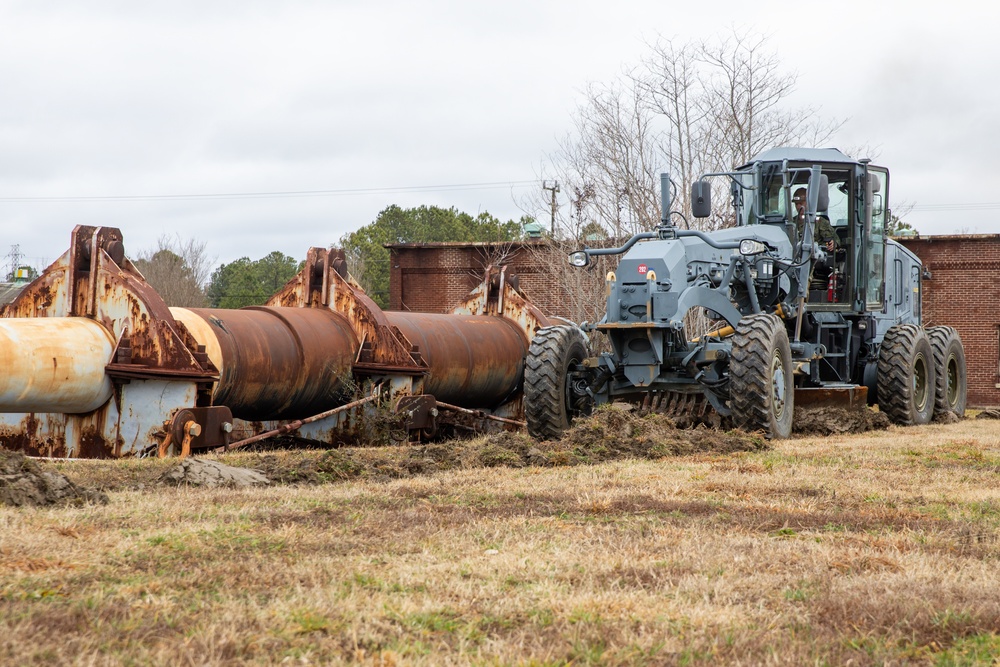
795 318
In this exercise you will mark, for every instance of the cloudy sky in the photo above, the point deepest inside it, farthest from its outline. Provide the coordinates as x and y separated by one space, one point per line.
199 118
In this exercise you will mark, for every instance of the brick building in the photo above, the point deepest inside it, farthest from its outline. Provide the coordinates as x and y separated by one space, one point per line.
433 277
963 292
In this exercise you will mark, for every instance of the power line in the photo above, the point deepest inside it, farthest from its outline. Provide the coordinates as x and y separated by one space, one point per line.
280 194
982 206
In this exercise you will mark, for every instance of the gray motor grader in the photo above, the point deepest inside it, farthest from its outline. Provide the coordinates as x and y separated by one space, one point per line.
797 318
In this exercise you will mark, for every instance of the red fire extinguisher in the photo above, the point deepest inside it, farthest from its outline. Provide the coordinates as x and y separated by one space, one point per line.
831 287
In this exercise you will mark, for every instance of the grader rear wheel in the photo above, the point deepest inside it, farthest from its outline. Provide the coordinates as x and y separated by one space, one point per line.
548 397
761 390
949 368
906 379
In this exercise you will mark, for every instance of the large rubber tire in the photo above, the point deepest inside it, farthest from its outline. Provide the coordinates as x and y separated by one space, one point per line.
906 375
553 351
761 388
949 369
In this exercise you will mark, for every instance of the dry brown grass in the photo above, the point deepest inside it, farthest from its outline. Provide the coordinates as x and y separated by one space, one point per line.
864 549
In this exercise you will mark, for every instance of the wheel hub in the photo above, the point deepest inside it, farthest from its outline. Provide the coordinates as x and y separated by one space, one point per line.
952 372
920 383
777 385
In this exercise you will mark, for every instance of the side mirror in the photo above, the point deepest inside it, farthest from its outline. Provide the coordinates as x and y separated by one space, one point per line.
871 201
701 199
876 184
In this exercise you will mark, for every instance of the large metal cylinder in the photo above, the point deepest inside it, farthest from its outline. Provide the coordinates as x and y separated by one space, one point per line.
275 363
475 361
54 364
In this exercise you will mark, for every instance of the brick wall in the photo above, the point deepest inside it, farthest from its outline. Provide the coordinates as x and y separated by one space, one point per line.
963 291
434 277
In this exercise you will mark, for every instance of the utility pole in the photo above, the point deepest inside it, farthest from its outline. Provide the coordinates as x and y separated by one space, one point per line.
554 188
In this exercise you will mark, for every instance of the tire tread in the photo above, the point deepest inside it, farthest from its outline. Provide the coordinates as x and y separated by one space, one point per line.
545 380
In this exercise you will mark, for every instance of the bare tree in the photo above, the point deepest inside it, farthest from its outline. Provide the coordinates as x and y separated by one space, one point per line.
178 270
581 294
742 101
690 108
609 162
670 83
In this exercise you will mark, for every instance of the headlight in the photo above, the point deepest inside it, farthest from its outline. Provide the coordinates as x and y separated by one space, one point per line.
579 258
751 247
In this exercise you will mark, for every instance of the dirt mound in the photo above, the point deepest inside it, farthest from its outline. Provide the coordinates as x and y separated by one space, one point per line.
991 413
202 472
514 450
837 421
946 417
613 432
617 431
23 482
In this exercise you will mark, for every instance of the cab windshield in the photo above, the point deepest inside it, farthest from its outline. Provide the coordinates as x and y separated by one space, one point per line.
775 201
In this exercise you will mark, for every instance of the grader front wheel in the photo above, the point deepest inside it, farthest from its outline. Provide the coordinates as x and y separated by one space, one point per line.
548 396
761 390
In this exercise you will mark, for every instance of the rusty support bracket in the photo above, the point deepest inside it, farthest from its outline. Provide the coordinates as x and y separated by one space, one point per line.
324 282
285 429
483 415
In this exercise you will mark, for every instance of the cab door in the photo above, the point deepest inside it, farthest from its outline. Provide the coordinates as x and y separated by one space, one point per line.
875 193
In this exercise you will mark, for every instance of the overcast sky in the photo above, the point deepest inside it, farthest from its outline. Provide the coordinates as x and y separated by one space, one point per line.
388 102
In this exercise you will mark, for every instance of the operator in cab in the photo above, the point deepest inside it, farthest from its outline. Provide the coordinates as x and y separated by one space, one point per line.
821 289
825 235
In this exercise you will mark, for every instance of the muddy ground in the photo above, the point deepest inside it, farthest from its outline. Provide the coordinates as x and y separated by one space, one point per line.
23 481
612 432
837 421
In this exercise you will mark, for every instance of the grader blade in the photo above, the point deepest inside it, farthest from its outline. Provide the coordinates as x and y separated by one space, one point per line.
848 397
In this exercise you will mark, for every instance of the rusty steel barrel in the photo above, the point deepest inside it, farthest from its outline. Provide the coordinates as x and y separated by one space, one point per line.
54 364
475 361
275 363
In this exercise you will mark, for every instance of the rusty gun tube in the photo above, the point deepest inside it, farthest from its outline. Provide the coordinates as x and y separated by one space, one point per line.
54 364
475 361
275 363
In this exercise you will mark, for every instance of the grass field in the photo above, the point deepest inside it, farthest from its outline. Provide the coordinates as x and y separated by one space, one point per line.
864 549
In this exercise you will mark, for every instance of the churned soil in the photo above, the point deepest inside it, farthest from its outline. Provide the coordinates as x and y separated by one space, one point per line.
613 432
23 482
208 473
837 421
618 431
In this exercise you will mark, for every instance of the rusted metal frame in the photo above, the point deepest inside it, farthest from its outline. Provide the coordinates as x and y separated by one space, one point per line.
94 280
295 425
336 291
101 284
482 415
362 368
497 295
